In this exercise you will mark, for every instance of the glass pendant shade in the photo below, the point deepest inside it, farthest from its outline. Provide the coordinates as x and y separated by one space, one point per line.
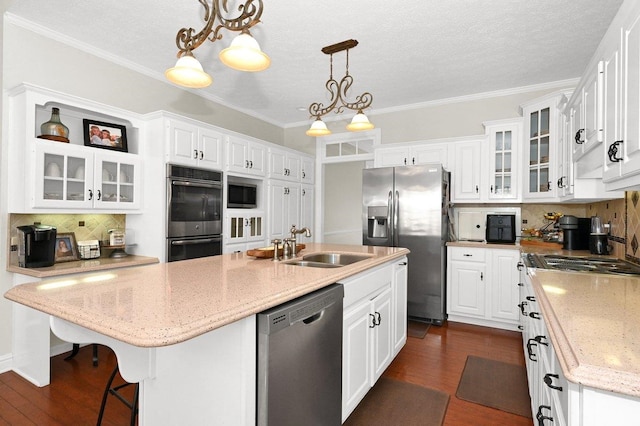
318 128
360 122
244 54
188 72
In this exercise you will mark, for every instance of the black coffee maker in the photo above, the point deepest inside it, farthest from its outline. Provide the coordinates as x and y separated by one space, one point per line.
37 247
575 232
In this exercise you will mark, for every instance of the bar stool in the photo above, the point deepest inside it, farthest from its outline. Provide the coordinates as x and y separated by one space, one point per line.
76 349
114 390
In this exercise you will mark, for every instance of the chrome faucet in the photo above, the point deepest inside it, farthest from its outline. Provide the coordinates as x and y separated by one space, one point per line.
294 231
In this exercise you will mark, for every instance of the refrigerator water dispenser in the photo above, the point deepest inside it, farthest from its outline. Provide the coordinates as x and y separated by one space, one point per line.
377 218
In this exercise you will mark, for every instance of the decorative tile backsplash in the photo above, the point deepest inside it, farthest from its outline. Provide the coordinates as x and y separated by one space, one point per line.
96 226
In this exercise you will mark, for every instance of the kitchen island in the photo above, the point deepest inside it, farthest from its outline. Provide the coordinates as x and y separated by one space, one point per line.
186 330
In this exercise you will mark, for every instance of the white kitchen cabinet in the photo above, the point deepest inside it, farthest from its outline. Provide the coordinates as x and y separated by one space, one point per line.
246 157
244 226
622 130
284 208
467 169
466 283
284 165
371 303
307 169
194 145
307 209
482 286
413 154
504 160
540 121
74 177
69 177
399 305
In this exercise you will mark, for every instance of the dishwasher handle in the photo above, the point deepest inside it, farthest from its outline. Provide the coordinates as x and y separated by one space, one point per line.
313 318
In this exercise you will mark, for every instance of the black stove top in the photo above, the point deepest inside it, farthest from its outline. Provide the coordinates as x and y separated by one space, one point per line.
599 265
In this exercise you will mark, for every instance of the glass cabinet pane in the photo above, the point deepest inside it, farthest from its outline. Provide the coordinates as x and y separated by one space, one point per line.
499 143
544 122
533 180
533 152
53 177
507 140
534 125
76 179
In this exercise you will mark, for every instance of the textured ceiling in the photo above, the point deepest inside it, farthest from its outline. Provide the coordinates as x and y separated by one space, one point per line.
409 52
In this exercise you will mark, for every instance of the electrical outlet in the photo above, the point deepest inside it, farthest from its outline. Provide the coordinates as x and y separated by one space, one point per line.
81 223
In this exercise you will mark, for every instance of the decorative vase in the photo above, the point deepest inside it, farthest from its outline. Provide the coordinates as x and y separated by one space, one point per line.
54 129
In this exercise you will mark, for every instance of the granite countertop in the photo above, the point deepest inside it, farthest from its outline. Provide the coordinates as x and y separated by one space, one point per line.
167 303
593 321
81 266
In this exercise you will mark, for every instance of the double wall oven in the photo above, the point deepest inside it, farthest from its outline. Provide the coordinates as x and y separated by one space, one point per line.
194 213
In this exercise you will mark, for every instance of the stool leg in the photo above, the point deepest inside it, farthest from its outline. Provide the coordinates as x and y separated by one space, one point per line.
95 355
74 352
105 395
134 407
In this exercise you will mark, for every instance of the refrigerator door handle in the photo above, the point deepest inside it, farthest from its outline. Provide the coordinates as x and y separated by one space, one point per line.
390 228
395 219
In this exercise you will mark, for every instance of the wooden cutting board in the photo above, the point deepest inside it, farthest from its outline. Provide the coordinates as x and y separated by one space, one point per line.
540 243
267 252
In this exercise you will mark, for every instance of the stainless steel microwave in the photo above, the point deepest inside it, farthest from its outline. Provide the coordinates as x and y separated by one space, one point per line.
242 195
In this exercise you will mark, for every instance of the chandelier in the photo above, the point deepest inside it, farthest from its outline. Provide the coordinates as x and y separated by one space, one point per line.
338 93
243 54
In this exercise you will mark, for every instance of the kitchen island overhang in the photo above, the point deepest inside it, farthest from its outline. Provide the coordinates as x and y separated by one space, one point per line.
185 330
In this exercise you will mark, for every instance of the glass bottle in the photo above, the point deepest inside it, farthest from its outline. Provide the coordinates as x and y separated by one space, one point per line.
54 126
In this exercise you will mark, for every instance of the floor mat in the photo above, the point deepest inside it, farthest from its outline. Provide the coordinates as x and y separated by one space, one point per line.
392 402
495 384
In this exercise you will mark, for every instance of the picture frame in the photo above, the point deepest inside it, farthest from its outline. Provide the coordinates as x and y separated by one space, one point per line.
99 134
66 247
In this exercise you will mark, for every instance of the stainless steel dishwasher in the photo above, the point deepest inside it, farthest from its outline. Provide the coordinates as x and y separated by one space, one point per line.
300 361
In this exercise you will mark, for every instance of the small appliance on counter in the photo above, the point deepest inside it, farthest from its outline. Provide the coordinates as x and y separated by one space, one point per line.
501 228
37 246
598 238
575 232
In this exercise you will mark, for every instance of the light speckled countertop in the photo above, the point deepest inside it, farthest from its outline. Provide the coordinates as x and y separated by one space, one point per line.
81 266
594 323
167 303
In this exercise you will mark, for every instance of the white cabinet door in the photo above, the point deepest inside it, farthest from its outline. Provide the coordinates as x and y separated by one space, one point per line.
284 165
356 356
467 288
430 153
612 113
117 181
592 101
399 305
539 150
381 315
284 202
504 164
210 149
504 289
63 176
391 157
631 97
467 171
307 170
183 143
307 208
257 159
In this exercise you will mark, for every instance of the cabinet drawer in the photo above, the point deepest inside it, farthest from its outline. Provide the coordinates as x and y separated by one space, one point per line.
367 284
467 254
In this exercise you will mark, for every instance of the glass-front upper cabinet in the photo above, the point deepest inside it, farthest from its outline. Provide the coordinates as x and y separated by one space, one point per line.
539 180
504 141
540 121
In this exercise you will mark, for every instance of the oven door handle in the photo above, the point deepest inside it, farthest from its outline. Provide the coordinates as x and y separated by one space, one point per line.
196 184
196 241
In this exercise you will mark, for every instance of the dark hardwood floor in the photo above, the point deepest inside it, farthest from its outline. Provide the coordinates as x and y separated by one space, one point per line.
437 362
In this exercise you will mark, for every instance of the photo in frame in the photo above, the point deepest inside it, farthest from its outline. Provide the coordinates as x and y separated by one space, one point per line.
103 135
66 247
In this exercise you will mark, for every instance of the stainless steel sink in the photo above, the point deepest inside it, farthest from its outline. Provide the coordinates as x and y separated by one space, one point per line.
327 260
335 258
312 264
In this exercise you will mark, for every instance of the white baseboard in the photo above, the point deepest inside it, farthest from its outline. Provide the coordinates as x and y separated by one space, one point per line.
5 362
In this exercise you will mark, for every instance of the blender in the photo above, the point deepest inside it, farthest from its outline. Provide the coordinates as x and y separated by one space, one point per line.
598 239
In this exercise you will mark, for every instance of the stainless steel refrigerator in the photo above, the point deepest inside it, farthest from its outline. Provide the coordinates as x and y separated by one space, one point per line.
408 207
